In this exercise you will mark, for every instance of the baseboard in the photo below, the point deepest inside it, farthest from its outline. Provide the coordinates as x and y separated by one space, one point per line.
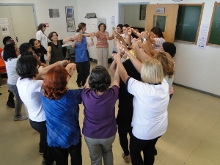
197 90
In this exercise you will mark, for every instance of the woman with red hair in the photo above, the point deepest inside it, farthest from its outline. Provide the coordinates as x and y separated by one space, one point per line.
62 112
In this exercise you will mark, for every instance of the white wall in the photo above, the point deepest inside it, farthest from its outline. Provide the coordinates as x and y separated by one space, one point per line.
132 13
195 68
42 14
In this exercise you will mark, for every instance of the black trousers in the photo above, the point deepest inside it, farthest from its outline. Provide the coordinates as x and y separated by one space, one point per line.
61 155
123 139
41 128
148 148
83 69
11 97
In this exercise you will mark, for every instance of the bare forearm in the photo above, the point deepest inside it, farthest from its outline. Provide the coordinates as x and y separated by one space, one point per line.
137 64
138 53
122 72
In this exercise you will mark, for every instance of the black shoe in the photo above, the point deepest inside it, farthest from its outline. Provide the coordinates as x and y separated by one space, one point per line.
43 162
11 105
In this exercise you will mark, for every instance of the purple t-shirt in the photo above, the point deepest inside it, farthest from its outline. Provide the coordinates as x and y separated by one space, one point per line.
99 112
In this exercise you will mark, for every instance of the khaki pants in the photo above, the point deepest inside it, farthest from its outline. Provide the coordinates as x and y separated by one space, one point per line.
102 57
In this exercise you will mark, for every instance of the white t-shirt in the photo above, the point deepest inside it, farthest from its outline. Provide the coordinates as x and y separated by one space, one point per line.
150 102
42 38
11 71
30 92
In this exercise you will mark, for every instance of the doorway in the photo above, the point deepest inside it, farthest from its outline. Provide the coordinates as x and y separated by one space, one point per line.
19 22
129 13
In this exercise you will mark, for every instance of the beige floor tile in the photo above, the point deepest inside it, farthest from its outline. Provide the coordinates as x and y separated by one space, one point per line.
192 137
196 159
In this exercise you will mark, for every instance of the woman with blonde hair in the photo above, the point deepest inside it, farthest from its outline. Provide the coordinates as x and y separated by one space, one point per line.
150 102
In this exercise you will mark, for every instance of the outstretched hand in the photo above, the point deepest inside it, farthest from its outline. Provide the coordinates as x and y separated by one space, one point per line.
64 63
70 68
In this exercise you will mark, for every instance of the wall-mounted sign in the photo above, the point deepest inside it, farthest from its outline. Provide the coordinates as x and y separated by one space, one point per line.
160 10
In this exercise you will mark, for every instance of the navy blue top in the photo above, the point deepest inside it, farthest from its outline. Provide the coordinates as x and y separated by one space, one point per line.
62 119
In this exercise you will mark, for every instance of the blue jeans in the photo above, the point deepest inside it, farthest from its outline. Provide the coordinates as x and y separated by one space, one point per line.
18 102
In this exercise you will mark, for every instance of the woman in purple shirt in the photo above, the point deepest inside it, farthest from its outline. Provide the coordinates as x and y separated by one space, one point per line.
99 127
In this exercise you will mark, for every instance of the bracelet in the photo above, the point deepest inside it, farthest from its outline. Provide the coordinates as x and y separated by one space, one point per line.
69 75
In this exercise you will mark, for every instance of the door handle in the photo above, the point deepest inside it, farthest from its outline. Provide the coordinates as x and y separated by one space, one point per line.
16 39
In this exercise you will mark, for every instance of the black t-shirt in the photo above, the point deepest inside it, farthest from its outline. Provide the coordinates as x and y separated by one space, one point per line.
60 41
125 105
40 53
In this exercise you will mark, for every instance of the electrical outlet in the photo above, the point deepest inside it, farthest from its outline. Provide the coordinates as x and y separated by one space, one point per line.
113 28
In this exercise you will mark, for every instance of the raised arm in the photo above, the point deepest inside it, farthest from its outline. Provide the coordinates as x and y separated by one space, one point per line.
67 39
116 80
120 68
70 68
107 36
44 70
49 53
136 33
137 50
92 35
137 64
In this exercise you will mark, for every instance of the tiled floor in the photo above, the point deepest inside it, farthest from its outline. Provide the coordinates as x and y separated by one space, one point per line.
192 138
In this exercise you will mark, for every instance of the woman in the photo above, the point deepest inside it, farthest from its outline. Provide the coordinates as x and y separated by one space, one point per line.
102 45
81 59
116 35
10 57
30 90
41 36
62 111
154 40
38 49
171 49
99 126
148 122
82 29
168 67
54 50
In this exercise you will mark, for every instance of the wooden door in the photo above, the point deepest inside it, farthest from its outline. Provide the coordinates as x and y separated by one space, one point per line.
167 16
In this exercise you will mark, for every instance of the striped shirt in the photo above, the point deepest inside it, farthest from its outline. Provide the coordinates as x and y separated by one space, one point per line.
101 40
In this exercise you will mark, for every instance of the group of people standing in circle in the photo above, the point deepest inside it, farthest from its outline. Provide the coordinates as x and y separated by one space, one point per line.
142 71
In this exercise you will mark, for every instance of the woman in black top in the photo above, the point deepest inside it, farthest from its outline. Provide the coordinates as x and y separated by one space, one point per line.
54 49
38 49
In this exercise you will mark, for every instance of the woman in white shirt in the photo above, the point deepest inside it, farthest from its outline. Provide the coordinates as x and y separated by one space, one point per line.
150 102
10 57
41 36
30 90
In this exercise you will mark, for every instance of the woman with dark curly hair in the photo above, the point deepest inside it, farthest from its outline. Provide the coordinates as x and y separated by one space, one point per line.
99 126
61 107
